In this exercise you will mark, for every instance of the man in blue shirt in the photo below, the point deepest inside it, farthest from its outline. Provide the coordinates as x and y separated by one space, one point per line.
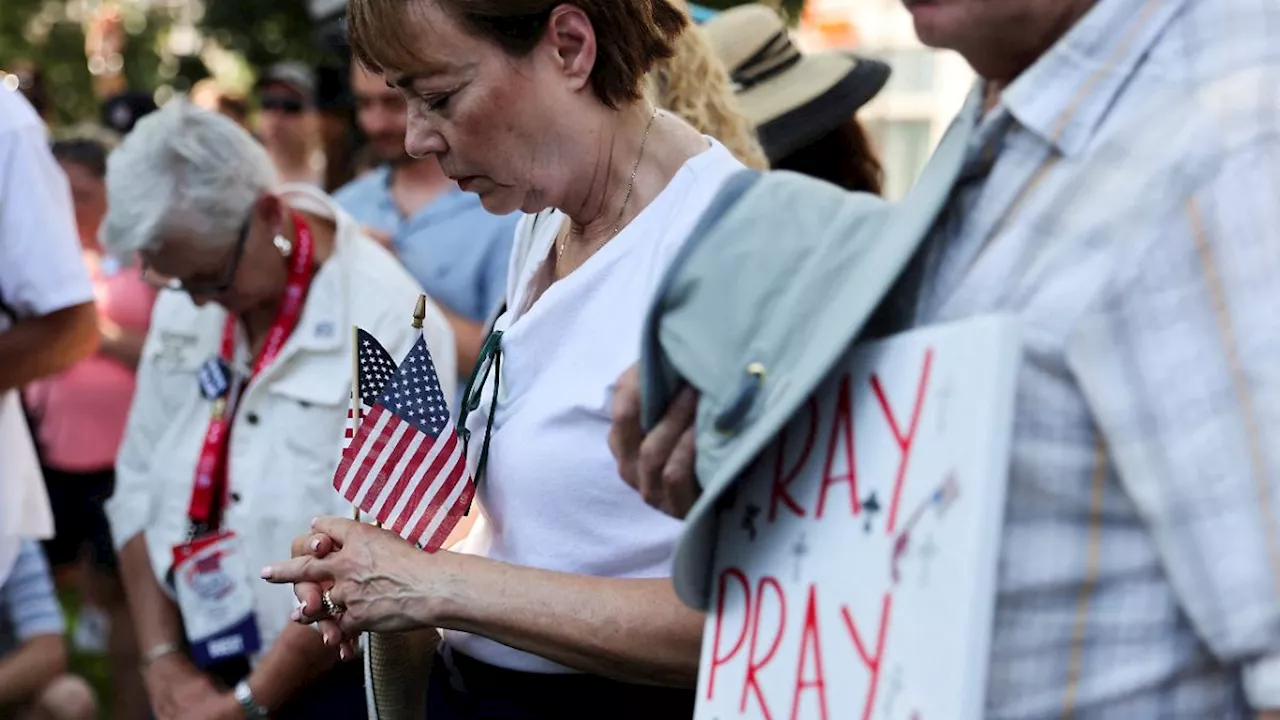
444 237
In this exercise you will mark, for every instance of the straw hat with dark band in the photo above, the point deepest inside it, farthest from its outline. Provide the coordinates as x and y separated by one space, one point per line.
792 97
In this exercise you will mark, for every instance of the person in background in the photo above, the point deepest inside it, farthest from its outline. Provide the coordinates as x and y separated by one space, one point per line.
443 235
47 318
287 123
247 368
214 96
80 417
120 112
694 85
365 160
803 104
33 656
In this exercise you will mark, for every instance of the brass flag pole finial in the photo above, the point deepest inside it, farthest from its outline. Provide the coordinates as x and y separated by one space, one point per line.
420 312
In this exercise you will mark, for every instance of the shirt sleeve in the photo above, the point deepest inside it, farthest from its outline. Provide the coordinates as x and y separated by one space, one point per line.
29 597
130 508
1181 367
41 270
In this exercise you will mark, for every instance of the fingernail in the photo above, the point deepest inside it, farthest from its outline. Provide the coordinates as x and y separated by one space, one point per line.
315 545
314 520
265 573
325 636
342 653
296 615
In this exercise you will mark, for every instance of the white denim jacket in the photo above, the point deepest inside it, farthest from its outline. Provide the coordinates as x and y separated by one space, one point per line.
286 438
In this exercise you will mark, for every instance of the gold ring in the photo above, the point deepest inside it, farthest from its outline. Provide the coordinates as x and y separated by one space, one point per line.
329 605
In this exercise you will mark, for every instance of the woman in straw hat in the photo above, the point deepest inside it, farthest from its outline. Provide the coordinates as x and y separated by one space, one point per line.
802 104
559 603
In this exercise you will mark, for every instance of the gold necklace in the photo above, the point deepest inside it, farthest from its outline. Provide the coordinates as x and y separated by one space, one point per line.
626 199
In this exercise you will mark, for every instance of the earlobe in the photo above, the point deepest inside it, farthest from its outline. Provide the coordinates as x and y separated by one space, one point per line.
271 210
571 35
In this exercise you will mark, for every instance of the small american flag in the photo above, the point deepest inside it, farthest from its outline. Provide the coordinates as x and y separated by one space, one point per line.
375 368
406 466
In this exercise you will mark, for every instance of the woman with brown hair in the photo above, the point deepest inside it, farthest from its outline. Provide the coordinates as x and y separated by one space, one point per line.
802 104
559 603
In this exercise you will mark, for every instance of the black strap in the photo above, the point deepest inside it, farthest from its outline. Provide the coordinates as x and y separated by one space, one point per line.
746 75
490 361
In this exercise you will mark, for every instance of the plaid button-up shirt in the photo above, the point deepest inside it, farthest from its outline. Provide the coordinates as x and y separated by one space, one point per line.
1124 201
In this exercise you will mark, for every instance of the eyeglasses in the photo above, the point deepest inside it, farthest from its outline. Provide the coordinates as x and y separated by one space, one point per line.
282 104
199 286
490 361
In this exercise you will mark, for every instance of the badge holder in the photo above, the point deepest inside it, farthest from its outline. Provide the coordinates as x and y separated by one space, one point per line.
210 573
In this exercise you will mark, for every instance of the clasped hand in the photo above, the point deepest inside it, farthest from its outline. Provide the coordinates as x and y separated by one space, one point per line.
379 582
659 464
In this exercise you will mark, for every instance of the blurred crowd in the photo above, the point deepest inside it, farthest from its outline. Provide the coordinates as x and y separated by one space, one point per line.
180 379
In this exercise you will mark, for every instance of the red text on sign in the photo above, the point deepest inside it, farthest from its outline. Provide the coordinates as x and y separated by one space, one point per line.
763 637
905 440
782 479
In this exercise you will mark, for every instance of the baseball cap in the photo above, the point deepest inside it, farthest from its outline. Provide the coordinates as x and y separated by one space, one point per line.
294 75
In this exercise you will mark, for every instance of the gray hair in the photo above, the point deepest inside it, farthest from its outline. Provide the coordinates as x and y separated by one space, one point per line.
182 170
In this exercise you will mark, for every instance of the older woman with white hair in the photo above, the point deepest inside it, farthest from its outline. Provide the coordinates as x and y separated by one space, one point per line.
236 428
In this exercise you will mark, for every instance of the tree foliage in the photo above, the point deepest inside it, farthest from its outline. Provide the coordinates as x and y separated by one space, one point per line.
40 33
262 32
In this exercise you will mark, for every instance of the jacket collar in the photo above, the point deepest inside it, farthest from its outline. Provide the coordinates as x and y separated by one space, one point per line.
325 322
324 329
1064 97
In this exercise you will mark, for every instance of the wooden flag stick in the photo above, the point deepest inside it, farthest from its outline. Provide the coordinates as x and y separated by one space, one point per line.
398 662
355 397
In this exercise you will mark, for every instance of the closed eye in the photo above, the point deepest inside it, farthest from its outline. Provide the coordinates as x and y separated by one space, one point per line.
436 103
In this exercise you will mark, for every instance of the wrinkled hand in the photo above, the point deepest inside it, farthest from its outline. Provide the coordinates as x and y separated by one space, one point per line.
318 545
383 583
179 690
660 465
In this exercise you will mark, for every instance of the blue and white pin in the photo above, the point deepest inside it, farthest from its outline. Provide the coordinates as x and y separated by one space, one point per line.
215 378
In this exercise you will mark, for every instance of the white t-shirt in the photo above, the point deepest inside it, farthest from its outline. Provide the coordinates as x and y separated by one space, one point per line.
551 495
41 271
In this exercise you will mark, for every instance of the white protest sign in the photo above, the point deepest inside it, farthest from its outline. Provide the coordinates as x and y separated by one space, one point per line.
855 566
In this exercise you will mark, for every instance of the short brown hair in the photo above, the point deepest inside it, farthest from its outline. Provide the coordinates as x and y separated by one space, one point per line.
631 35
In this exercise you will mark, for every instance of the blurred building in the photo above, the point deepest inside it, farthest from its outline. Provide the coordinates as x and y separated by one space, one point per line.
925 91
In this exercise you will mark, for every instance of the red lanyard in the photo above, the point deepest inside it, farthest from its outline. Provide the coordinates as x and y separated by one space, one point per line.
211 469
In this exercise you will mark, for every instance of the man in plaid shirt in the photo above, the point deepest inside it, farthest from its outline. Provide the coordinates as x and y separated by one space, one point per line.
1120 194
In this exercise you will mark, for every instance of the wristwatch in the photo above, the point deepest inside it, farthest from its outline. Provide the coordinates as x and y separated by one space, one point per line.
244 696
